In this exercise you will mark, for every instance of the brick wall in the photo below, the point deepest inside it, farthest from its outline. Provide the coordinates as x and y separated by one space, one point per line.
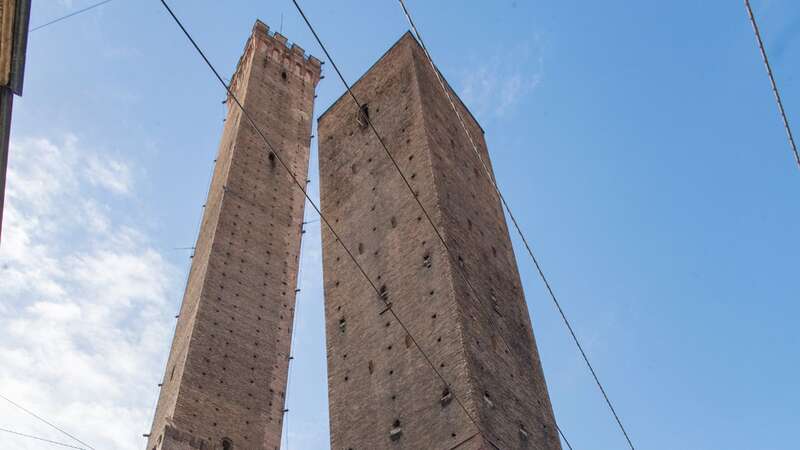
382 391
226 374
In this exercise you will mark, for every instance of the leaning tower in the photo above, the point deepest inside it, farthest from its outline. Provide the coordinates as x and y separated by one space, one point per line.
225 379
384 394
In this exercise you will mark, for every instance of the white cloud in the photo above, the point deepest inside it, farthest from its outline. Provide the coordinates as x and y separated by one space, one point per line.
495 85
109 174
86 303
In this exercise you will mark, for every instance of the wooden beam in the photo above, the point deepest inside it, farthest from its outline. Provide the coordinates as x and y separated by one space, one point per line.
7 12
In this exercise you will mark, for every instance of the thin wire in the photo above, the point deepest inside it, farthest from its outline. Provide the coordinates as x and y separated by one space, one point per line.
772 81
561 433
296 320
199 224
408 185
43 420
318 211
516 226
72 14
30 436
397 167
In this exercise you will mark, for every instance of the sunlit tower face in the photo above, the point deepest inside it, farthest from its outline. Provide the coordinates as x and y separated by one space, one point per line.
464 307
225 380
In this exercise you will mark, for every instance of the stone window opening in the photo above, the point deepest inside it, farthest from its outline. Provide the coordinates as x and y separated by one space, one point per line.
523 434
227 444
363 116
495 303
447 396
396 431
383 293
427 261
488 399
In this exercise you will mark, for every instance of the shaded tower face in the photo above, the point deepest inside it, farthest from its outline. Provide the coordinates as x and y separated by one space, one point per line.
383 393
226 375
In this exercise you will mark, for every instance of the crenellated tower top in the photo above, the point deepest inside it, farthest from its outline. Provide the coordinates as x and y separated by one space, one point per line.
263 45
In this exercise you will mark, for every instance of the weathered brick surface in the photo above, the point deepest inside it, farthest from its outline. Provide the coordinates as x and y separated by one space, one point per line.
226 373
382 391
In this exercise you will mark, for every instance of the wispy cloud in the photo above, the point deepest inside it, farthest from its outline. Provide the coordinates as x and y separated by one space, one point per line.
86 301
496 84
109 173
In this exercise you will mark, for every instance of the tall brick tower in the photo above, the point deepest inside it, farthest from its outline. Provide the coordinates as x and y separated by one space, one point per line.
226 374
383 394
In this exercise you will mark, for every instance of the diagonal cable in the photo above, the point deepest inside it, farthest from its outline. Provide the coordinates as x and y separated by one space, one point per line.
516 225
72 14
402 175
316 208
772 81
45 421
296 322
30 436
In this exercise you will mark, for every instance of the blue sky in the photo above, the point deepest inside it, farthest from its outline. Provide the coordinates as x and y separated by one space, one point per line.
637 142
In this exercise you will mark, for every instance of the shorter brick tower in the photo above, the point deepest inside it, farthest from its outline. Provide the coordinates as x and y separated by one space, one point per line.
383 393
226 375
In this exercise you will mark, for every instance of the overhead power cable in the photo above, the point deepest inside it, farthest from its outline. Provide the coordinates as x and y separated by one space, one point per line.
193 248
30 436
514 221
295 321
72 14
772 81
324 220
391 157
45 421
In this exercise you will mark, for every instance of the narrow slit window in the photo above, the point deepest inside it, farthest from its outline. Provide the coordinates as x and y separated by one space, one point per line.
447 396
383 293
363 116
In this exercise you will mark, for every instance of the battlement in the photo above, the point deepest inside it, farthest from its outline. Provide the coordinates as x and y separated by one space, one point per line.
280 43
230 289
274 48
